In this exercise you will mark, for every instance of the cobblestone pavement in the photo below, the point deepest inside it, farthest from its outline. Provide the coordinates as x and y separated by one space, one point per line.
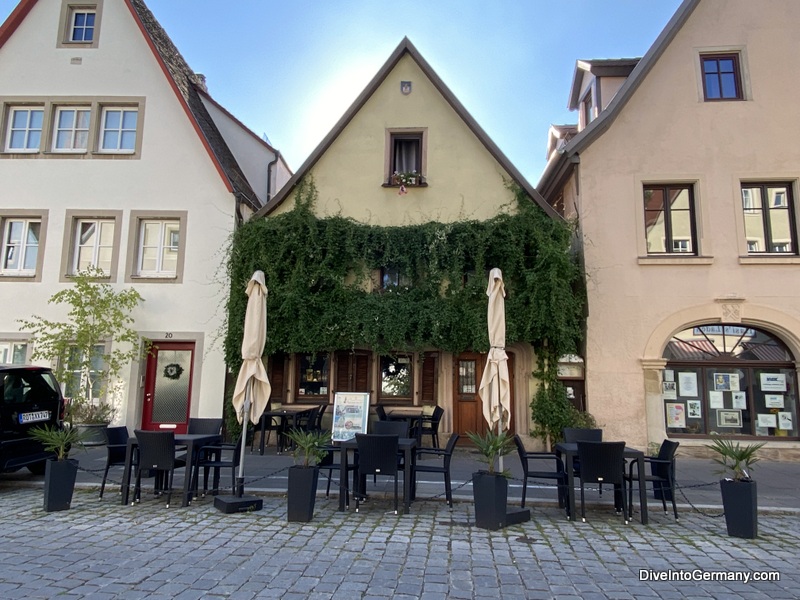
101 550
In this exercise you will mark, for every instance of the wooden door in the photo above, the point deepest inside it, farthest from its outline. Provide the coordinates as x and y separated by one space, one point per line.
168 386
467 407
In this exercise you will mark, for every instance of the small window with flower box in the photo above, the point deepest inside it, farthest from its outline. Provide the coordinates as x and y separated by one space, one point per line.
406 155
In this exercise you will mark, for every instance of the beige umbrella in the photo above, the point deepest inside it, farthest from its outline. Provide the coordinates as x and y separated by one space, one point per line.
495 388
252 391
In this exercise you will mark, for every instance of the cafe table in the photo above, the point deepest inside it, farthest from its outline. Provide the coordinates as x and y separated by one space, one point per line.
570 451
192 441
287 412
413 414
405 445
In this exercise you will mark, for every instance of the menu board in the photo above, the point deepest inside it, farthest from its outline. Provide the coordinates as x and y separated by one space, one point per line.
350 415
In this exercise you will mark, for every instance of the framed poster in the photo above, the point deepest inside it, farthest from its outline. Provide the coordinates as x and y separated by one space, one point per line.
694 410
676 414
687 384
350 415
773 400
729 418
773 382
669 390
739 400
767 420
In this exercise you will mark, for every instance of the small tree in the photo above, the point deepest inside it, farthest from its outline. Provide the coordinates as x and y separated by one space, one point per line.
97 315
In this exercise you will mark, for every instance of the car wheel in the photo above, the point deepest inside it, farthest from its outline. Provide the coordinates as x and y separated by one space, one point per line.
37 468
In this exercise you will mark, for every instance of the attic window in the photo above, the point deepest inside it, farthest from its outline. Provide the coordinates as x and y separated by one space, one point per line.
722 78
80 24
405 154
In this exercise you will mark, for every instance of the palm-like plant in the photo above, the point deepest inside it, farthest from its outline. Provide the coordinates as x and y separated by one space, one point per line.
736 459
492 445
310 446
57 439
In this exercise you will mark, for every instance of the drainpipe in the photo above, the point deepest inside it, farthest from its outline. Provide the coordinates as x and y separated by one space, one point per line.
269 173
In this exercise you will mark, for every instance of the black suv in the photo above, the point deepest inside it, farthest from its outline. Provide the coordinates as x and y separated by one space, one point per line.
31 397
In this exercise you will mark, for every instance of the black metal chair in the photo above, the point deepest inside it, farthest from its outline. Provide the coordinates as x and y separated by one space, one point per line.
529 459
603 462
267 425
442 468
216 458
308 421
662 475
573 435
156 457
318 422
430 425
377 455
381 412
398 428
197 425
329 464
117 438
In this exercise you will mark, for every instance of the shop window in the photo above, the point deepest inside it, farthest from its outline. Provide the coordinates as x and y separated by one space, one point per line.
397 378
312 376
730 380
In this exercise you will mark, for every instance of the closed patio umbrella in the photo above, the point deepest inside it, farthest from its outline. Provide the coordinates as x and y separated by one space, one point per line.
252 390
495 388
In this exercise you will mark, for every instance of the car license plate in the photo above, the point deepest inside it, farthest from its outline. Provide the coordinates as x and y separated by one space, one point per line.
34 417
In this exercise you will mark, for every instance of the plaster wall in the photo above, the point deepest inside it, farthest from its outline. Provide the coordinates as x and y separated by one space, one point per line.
667 133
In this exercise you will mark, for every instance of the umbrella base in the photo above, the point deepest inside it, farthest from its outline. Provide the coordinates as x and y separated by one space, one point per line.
236 504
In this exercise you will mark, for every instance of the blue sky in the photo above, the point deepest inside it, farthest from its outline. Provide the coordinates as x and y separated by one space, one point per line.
290 69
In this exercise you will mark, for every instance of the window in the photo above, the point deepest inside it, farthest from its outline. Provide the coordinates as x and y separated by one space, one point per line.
312 376
74 380
24 129
669 219
406 154
769 218
79 23
82 25
20 246
721 77
586 108
397 377
729 379
118 130
158 248
71 132
13 353
393 279
94 245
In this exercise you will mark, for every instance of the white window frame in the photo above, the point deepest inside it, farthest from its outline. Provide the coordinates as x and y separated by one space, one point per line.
120 131
138 219
11 348
12 111
168 241
66 28
23 247
681 245
73 129
96 246
74 27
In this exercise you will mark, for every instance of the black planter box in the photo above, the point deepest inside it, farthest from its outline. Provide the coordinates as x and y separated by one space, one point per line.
302 493
740 501
490 492
59 484
237 504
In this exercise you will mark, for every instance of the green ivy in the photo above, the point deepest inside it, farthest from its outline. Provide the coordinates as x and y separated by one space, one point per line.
317 268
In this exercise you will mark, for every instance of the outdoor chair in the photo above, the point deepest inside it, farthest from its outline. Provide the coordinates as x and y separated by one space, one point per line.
116 447
377 455
603 462
216 458
328 464
308 421
156 457
268 424
442 468
534 467
318 422
398 428
430 425
662 475
381 412
573 435
204 426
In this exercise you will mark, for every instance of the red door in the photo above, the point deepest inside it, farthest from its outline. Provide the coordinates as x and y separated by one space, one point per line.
168 386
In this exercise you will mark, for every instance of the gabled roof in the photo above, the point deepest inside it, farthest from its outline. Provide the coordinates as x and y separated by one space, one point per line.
184 83
606 67
406 48
554 170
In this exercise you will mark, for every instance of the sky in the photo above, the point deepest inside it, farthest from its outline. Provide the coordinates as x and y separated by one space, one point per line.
290 69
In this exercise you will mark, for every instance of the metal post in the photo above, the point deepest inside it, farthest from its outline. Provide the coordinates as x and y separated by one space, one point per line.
239 492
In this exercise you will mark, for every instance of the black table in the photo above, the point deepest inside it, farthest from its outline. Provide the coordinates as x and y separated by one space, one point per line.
405 445
192 441
284 413
570 452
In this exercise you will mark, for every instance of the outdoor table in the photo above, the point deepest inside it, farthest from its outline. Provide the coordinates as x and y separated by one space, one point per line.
570 452
284 413
413 415
405 445
192 441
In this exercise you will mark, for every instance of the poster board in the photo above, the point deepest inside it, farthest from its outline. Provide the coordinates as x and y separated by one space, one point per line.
350 415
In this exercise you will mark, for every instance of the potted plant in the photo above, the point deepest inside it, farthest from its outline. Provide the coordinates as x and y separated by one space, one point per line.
310 447
90 348
739 491
490 487
60 473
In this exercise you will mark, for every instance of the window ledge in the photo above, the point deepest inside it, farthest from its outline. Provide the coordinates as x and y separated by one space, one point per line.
397 185
156 278
676 260
770 259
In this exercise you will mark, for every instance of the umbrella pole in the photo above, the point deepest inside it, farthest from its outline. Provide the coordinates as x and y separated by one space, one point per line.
245 415
500 420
